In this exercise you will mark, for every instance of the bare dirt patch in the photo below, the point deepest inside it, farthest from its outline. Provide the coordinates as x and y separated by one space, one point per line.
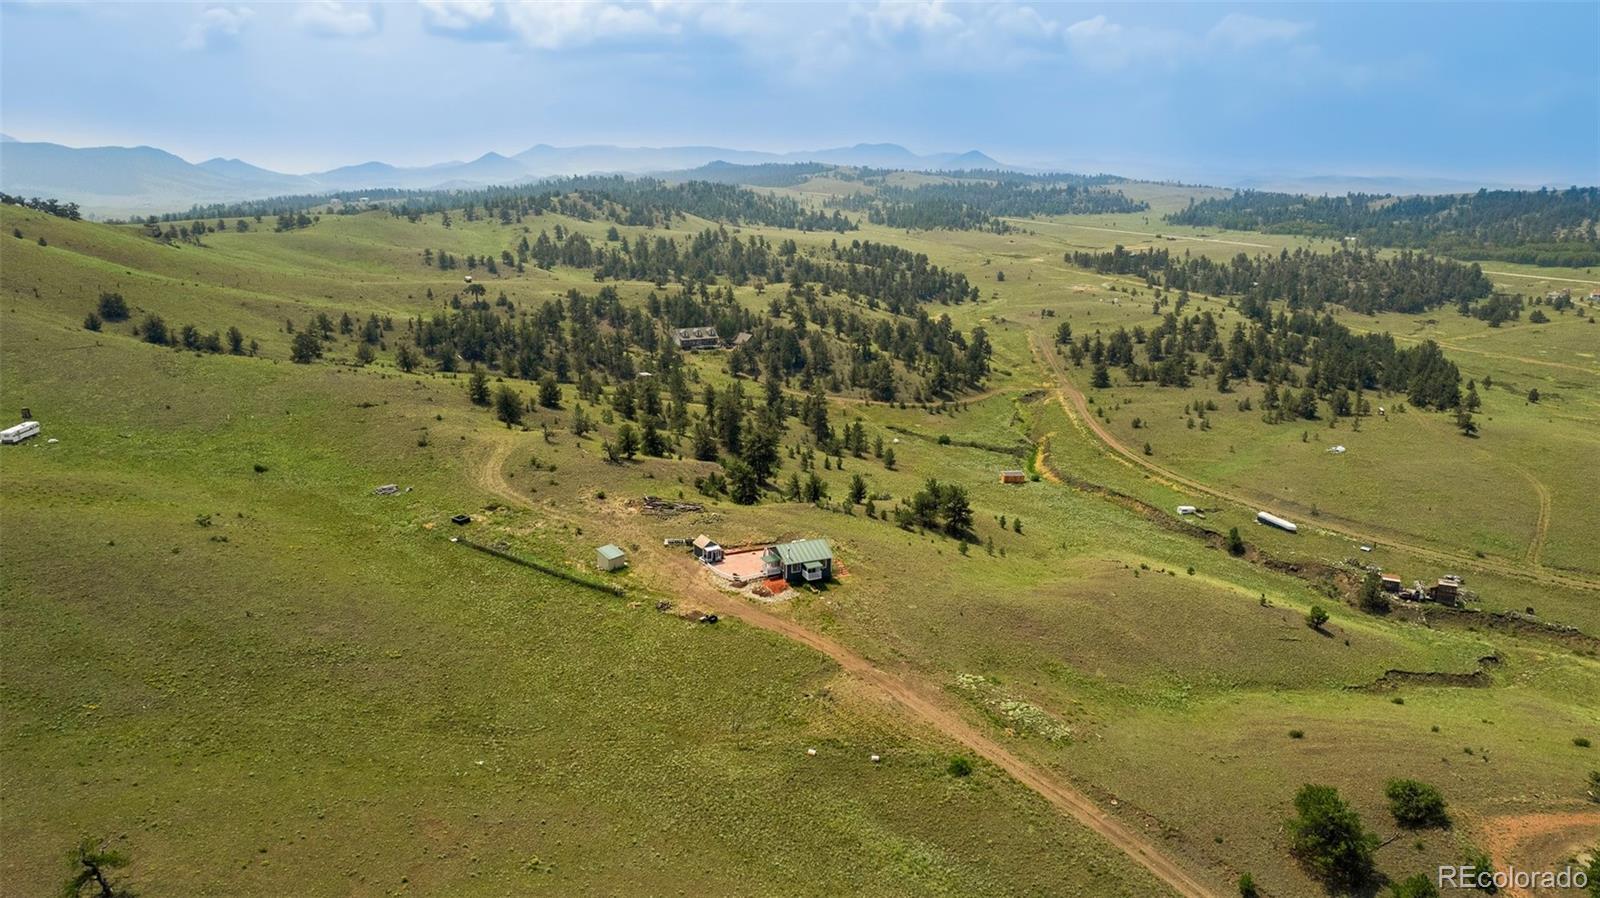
1541 841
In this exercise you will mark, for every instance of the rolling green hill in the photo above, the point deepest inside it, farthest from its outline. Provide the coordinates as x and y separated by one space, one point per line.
227 656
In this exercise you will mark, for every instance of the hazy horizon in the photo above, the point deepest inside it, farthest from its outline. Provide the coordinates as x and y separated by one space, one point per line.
1204 93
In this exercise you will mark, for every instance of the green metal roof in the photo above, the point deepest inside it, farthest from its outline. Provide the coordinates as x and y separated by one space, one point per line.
612 552
802 551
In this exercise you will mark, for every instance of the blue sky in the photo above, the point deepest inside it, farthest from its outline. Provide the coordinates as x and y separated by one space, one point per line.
1507 93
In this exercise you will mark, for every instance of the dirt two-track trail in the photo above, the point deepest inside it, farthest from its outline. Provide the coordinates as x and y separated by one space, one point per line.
921 700
1077 408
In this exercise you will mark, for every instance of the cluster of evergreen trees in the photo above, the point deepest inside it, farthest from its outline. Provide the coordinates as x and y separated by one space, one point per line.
1286 351
350 202
886 275
1359 280
657 416
113 308
938 506
801 336
624 201
50 206
982 204
1536 227
765 174
194 231
628 201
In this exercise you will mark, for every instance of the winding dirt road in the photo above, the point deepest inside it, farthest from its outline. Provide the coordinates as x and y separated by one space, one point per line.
921 700
1077 408
1542 528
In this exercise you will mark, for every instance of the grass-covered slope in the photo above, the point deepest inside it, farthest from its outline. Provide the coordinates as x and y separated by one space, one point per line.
310 649
272 682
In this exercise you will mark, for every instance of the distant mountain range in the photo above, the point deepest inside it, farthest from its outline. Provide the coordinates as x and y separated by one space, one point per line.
123 181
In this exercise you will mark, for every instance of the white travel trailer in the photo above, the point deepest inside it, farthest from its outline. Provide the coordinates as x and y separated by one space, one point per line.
16 433
1275 521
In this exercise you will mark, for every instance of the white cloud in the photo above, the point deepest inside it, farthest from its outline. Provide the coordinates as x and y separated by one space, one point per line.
216 27
563 24
1101 43
1024 21
331 18
1239 30
892 17
459 15
939 35
889 38
1095 29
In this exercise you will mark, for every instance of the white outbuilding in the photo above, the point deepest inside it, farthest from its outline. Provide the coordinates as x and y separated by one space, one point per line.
610 557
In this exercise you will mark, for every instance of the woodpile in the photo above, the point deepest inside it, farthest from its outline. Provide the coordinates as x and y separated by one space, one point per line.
658 505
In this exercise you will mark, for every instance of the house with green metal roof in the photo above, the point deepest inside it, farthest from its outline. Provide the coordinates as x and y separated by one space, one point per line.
810 560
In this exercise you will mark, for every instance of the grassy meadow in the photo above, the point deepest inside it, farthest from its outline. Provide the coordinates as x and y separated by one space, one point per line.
225 654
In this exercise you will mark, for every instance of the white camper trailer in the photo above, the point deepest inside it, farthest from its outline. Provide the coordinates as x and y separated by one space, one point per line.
16 433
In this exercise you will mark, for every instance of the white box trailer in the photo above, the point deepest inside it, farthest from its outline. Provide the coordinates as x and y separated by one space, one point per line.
16 433
1273 520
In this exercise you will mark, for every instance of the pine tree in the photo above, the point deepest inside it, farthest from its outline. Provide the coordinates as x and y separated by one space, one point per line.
581 422
508 406
549 392
478 387
651 442
704 441
744 487
627 440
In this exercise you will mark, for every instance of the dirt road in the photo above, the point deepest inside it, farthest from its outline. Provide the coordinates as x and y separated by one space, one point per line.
1078 409
1542 529
919 701
922 701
